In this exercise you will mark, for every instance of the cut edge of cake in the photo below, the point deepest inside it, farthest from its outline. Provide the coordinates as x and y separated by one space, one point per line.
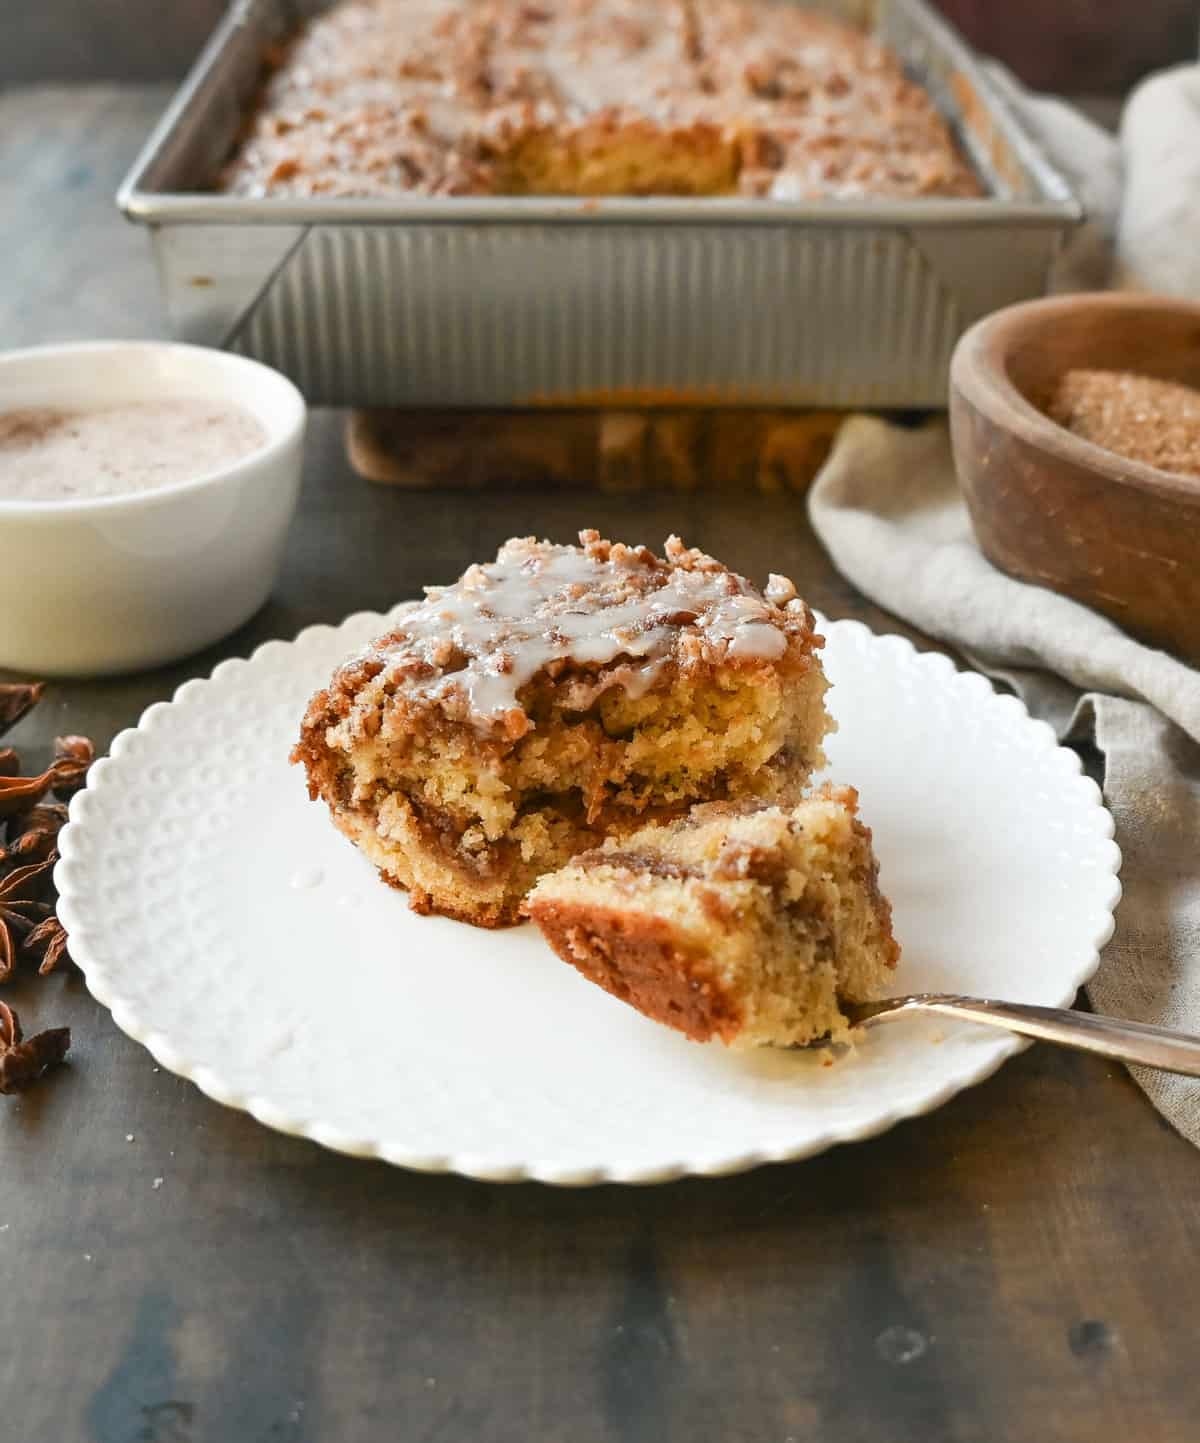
745 925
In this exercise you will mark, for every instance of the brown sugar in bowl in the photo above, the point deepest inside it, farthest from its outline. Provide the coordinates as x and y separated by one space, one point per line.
1051 508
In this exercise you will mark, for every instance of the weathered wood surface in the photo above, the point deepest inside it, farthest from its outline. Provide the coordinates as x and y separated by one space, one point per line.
1018 1266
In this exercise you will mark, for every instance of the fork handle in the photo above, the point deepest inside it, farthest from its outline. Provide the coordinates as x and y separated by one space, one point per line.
1135 1042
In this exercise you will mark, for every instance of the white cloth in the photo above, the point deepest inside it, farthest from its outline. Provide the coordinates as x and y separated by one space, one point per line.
1158 234
888 509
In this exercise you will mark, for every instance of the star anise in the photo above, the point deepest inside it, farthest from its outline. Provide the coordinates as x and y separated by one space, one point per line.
28 884
28 925
10 1027
49 939
72 758
16 698
18 794
22 907
21 1062
32 834
17 920
66 774
45 817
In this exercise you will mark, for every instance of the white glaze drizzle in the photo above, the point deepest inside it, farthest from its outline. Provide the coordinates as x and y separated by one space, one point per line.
492 631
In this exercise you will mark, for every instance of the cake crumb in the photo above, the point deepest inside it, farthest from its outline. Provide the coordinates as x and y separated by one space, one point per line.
1139 417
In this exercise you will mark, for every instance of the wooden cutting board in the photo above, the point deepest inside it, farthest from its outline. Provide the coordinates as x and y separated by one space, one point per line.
614 450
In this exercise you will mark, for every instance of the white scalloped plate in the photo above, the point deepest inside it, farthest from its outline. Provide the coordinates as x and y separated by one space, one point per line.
232 931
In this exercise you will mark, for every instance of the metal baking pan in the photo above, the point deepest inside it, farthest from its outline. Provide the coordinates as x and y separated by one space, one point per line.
503 301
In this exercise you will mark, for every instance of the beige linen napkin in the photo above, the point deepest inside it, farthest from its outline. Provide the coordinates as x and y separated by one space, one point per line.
888 509
1158 230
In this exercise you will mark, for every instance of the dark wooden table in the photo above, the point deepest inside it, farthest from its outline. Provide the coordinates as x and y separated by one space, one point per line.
1021 1265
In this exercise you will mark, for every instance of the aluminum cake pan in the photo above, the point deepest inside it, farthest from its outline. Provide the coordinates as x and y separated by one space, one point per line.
500 301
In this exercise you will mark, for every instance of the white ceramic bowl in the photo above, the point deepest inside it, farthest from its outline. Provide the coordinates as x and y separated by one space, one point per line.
93 586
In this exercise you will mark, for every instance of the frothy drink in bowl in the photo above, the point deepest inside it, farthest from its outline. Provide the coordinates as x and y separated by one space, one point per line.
51 454
156 482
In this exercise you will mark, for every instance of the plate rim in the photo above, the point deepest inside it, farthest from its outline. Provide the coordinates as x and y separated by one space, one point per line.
208 1080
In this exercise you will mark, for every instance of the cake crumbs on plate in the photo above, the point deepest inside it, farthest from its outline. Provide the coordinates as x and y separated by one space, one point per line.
1139 417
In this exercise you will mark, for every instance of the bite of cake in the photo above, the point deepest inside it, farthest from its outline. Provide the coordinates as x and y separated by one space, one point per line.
555 698
745 923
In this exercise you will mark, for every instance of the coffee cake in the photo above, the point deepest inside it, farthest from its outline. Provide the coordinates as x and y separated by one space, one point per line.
592 97
553 698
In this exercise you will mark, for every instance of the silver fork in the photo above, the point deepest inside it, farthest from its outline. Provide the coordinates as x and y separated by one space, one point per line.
1109 1036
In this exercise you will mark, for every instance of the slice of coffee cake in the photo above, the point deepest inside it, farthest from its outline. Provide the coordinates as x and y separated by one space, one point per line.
743 923
553 698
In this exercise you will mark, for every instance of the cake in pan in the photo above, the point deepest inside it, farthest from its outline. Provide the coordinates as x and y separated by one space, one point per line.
554 698
591 98
743 923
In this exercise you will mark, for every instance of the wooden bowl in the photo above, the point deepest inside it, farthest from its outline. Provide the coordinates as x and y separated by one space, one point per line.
1050 508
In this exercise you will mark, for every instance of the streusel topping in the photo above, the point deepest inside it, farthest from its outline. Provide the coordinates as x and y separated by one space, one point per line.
540 607
437 97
